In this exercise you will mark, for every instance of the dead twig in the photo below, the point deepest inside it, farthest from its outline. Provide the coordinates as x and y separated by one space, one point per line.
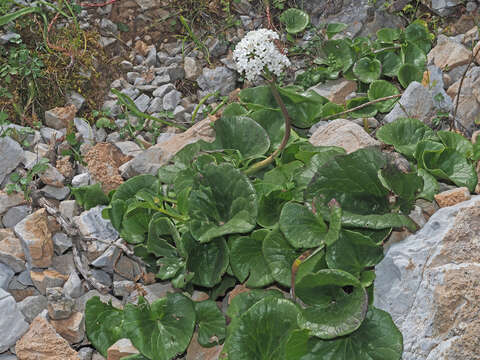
457 101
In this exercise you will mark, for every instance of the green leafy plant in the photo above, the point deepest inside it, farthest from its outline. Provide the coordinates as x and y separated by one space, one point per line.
23 183
74 148
295 20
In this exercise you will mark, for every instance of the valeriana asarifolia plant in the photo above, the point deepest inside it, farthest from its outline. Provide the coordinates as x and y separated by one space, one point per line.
256 55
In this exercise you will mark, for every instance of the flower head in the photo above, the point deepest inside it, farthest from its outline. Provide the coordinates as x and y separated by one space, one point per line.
257 52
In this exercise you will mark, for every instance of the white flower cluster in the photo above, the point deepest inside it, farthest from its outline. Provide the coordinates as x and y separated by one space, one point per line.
257 51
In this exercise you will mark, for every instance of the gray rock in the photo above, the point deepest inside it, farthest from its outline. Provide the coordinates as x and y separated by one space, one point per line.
51 176
471 6
146 4
129 148
191 68
68 209
139 82
30 160
76 99
162 90
171 100
12 322
59 306
15 215
132 92
73 286
418 103
55 192
91 224
155 106
126 65
12 156
441 99
108 258
151 59
64 264
6 274
161 80
142 102
112 107
106 41
179 112
7 357
435 271
85 353
31 306
164 137
216 47
81 180
132 75
153 292
128 268
24 278
123 288
61 243
107 26
48 133
218 79
11 251
85 130
444 7
102 277
100 135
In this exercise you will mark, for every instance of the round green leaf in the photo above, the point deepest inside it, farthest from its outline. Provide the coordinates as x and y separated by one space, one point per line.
334 28
279 255
222 201
333 311
377 339
388 35
295 20
261 332
130 187
211 323
245 300
247 260
353 252
409 73
207 261
233 109
339 54
163 329
270 206
367 69
301 227
103 324
412 54
391 63
417 34
273 123
379 89
367 111
240 133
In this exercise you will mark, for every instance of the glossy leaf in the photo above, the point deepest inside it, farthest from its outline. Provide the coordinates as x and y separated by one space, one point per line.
211 323
301 227
456 142
130 187
404 134
430 185
262 331
240 304
273 123
367 69
353 252
223 201
103 324
377 339
409 73
379 89
247 261
333 311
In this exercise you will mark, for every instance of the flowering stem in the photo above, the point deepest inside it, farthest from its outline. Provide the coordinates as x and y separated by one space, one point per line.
288 127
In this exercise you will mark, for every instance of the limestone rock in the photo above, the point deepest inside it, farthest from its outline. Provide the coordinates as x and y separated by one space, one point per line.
73 287
342 133
82 300
6 275
11 251
41 342
71 329
429 284
452 197
59 305
218 79
52 177
12 156
31 306
335 90
120 349
15 214
9 201
12 323
47 279
416 102
149 161
36 239
448 54
60 117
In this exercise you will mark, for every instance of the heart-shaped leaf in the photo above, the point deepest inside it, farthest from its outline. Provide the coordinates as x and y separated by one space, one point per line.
103 324
211 323
367 69
379 89
223 201
163 329
333 311
301 227
262 331
377 339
